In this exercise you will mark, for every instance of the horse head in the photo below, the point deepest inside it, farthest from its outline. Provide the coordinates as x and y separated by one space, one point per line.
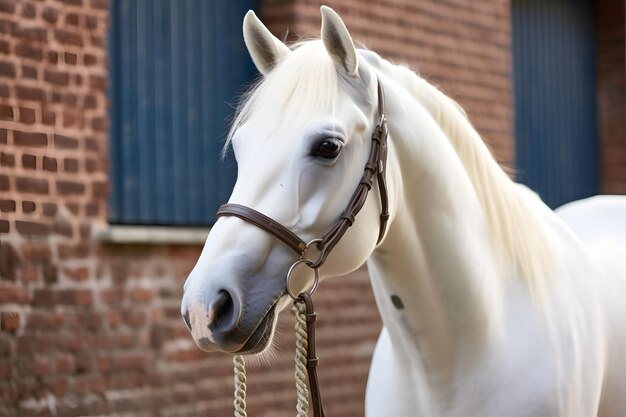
301 139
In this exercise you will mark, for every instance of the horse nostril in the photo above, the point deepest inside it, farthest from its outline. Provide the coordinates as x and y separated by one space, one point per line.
221 312
186 319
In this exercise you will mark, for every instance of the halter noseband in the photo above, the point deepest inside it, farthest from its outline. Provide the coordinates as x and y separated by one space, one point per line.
376 165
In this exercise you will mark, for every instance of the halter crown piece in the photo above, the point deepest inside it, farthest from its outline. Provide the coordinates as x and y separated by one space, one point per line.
303 306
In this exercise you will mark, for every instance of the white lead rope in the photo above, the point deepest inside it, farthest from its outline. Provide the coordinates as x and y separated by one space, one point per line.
302 389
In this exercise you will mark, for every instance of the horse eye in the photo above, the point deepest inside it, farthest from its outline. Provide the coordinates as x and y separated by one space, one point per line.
329 148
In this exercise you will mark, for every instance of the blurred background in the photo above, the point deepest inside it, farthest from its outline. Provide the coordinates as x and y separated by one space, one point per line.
112 116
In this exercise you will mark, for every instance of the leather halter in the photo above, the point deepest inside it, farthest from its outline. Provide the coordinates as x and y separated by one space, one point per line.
376 165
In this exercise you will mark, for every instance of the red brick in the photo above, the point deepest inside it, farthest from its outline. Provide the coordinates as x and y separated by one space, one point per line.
70 187
100 4
9 321
70 119
9 259
90 60
112 296
50 273
5 26
26 51
27 116
49 164
28 206
29 33
70 100
57 77
65 251
91 22
74 208
34 139
75 297
65 365
7 6
6 112
135 318
7 206
49 209
6 371
98 82
65 142
62 227
32 228
91 165
29 161
29 11
70 165
12 294
68 38
90 102
30 273
30 93
7 69
98 41
7 159
94 144
29 72
50 14
141 295
71 58
4 183
48 117
44 297
92 209
53 57
32 185
77 274
100 189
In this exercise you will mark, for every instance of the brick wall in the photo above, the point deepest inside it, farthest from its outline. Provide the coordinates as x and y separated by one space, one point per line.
461 46
612 95
93 329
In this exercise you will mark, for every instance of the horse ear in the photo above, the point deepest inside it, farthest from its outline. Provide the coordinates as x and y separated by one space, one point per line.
265 49
338 42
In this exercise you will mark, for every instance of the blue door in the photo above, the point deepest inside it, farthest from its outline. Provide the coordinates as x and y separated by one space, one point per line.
176 68
554 66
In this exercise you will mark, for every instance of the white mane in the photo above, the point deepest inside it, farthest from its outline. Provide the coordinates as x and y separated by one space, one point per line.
510 209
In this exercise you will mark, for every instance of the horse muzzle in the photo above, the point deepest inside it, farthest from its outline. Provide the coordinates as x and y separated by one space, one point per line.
219 320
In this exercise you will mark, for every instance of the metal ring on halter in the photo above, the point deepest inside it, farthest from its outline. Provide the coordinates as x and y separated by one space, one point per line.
311 243
316 280
308 245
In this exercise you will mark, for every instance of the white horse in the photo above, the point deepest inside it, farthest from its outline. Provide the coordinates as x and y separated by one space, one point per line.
491 305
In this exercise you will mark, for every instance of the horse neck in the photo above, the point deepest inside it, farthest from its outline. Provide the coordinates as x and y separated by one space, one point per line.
434 276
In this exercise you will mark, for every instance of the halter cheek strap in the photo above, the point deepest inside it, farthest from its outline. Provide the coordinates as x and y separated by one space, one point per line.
376 166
